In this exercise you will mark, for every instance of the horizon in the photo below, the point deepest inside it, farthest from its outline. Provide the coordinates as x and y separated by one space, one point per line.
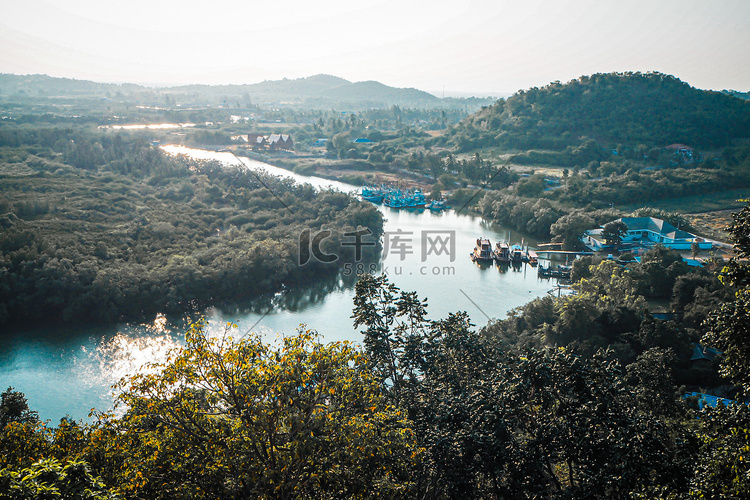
481 48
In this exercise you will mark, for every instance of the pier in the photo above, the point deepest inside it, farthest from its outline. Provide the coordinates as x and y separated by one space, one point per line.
563 254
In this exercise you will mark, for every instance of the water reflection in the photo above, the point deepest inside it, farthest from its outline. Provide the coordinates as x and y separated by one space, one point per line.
70 371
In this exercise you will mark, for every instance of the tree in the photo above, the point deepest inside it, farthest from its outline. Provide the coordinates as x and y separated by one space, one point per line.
722 469
15 408
569 229
545 423
242 419
341 140
52 479
612 232
395 322
729 326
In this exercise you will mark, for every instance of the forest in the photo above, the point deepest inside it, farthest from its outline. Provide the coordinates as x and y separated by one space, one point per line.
615 108
580 396
101 227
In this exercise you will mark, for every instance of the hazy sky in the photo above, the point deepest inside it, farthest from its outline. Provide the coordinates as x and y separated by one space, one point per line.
483 46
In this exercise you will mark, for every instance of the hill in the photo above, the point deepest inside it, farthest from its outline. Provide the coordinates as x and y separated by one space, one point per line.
314 92
47 86
612 109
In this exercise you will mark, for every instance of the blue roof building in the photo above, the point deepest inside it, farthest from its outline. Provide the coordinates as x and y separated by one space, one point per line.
645 232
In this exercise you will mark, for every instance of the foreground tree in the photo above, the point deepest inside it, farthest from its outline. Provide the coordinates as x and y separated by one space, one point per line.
729 326
50 479
242 419
545 423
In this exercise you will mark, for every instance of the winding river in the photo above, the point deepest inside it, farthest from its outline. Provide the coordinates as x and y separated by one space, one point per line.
69 371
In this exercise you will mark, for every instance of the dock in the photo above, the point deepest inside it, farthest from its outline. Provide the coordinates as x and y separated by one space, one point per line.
563 254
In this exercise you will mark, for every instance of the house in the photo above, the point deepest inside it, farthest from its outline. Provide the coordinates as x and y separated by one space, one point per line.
703 353
646 232
280 142
681 152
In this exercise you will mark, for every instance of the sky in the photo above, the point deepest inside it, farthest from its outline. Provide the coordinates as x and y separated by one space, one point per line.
480 47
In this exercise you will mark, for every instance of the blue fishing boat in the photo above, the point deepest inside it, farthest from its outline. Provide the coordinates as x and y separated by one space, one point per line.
373 194
437 206
415 199
394 198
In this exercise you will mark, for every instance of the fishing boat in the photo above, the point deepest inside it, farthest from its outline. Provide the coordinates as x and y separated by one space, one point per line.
483 251
502 252
373 194
395 199
516 253
415 199
437 206
560 272
531 257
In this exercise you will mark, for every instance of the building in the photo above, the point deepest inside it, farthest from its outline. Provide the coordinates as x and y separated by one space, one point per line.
646 232
280 142
273 142
682 153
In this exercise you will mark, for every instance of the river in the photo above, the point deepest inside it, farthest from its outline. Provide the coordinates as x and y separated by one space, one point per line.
68 371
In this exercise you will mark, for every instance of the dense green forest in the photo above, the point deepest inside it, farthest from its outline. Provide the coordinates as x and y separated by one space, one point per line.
612 109
101 226
572 397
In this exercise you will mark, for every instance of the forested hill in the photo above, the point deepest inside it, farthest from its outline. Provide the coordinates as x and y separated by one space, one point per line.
652 109
318 91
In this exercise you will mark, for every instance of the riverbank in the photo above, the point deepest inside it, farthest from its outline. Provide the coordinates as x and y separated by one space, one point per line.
355 172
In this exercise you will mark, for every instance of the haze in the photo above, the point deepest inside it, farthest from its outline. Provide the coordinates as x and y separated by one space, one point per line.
480 47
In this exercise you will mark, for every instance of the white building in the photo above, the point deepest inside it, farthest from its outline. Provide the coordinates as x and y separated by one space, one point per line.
645 232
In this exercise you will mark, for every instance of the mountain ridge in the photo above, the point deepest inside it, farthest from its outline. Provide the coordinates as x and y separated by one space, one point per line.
321 89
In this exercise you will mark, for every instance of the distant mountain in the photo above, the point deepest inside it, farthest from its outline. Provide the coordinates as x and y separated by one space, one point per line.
652 109
47 86
324 91
371 90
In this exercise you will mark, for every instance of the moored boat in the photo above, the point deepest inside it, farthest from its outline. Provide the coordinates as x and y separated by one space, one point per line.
502 252
437 206
516 253
531 257
415 199
373 194
555 272
395 199
483 251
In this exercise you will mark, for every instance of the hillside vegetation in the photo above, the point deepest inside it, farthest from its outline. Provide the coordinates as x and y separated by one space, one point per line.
615 108
102 227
